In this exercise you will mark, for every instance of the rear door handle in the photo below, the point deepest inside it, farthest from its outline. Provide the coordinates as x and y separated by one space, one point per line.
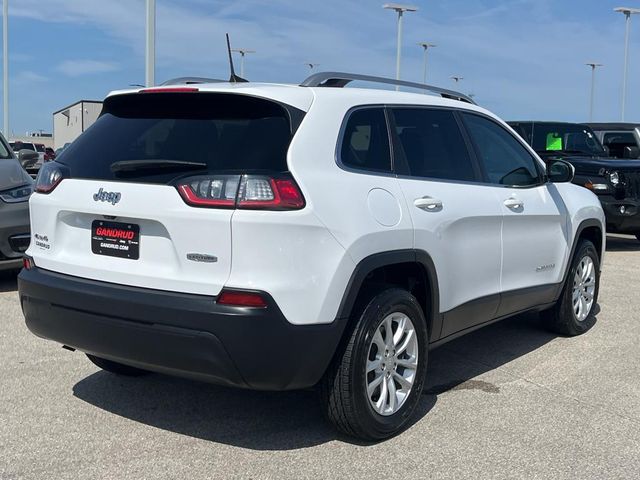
513 203
428 204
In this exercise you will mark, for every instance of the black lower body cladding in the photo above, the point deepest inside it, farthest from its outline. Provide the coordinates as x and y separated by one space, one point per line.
178 334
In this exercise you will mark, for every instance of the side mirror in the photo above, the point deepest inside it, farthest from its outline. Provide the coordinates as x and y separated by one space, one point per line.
606 150
559 171
631 152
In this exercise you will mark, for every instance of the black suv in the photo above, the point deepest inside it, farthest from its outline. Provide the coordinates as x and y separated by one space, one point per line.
615 181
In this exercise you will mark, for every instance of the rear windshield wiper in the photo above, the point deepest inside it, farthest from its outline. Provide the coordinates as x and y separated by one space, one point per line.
137 165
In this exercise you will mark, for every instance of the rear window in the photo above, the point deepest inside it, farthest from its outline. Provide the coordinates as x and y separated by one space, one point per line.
221 132
618 141
17 146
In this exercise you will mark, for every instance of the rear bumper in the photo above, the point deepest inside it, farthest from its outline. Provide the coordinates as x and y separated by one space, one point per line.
178 334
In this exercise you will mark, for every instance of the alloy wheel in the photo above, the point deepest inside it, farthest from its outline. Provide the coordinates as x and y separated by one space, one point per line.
392 363
584 287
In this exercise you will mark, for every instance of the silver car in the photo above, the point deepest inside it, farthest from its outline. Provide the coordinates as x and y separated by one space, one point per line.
16 187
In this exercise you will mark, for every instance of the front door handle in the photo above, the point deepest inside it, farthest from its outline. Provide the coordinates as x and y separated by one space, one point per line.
428 204
513 203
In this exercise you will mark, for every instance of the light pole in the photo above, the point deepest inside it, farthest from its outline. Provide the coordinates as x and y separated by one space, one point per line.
5 65
426 46
456 78
312 65
242 52
399 9
150 47
593 66
627 13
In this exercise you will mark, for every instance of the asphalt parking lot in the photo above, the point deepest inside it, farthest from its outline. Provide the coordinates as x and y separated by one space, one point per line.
508 401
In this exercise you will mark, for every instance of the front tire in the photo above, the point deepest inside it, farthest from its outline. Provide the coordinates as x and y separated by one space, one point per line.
115 367
574 312
374 384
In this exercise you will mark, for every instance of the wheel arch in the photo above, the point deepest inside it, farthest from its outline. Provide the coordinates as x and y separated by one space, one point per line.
590 229
405 268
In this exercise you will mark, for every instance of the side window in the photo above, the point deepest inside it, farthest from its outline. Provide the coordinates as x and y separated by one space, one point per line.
617 141
505 160
365 142
432 144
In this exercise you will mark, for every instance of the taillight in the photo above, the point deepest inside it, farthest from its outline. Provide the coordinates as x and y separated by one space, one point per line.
242 191
239 298
49 176
210 191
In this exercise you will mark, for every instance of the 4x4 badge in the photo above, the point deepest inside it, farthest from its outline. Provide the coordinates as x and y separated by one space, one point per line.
111 197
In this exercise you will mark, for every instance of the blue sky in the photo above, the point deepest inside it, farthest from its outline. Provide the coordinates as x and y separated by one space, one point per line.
523 59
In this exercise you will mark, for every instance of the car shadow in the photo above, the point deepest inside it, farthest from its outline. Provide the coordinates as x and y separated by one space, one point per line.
9 281
293 420
619 243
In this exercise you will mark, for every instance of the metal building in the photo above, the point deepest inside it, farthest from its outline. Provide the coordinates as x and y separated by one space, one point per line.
69 122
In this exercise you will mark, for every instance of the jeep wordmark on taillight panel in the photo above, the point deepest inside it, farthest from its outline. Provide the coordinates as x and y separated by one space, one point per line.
280 237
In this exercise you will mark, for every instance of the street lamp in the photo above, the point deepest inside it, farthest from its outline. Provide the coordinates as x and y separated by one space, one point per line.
627 13
312 65
5 64
150 47
242 52
399 9
456 78
426 46
593 66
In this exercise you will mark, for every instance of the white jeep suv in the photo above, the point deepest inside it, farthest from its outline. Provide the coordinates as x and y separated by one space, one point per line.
280 237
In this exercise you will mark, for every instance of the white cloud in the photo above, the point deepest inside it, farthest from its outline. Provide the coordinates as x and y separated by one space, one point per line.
75 68
29 76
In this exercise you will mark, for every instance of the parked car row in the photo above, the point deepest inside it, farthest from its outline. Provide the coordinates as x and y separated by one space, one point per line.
611 171
16 186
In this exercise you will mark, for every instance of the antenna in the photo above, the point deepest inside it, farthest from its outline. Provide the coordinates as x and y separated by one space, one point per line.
233 78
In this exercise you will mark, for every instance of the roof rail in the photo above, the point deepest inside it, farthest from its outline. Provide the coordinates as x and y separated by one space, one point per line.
340 79
191 80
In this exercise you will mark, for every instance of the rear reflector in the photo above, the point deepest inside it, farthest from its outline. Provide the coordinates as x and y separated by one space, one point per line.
239 298
27 262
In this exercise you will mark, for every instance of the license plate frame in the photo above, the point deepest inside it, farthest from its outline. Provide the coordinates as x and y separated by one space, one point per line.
115 239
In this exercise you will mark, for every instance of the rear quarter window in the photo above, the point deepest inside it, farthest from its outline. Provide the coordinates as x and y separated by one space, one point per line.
365 141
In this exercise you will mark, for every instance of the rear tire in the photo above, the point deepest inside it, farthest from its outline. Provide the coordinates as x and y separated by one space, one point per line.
573 314
373 386
115 367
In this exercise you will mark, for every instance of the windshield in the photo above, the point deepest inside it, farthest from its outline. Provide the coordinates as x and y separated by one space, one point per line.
563 137
155 137
17 146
